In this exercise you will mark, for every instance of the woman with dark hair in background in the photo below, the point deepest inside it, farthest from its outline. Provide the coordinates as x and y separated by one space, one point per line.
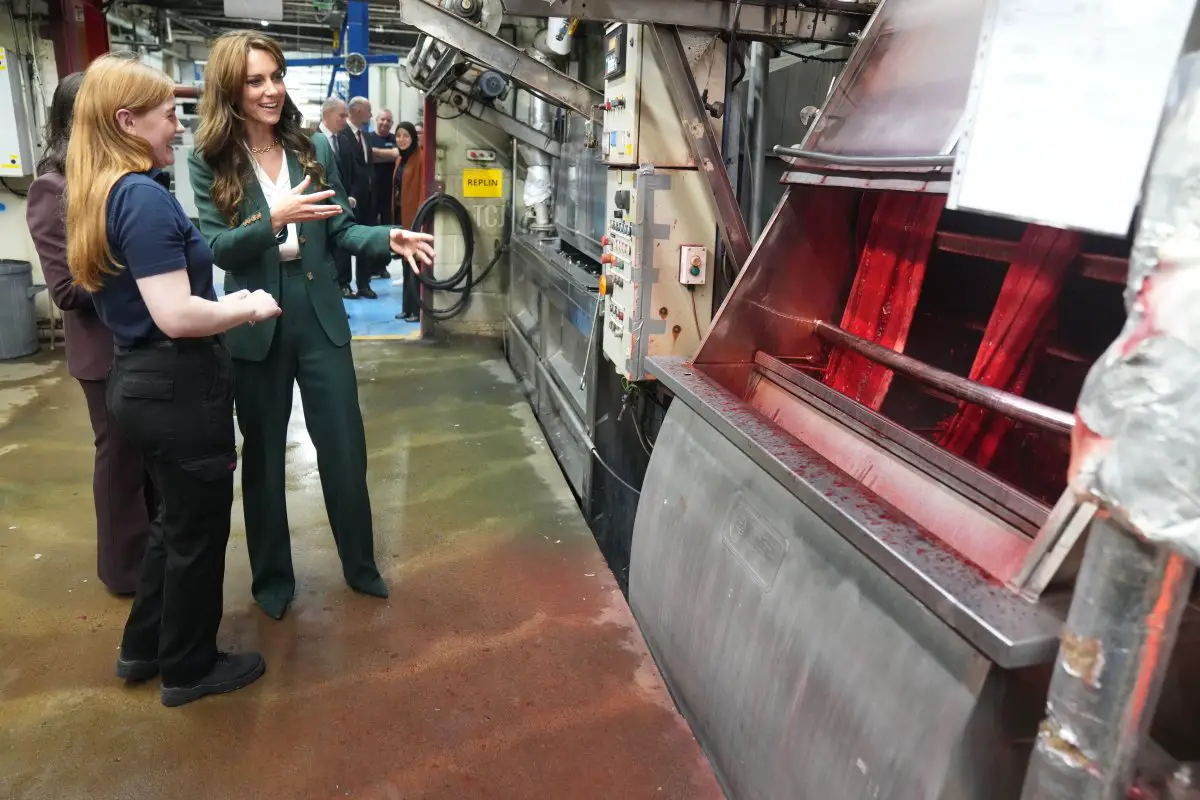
121 492
409 183
261 188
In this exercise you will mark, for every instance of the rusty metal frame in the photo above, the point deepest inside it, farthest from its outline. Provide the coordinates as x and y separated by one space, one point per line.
701 139
749 20
492 51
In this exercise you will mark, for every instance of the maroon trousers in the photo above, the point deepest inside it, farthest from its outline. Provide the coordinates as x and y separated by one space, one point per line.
124 497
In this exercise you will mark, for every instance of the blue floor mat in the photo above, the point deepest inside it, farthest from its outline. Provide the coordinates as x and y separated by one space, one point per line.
377 318
370 319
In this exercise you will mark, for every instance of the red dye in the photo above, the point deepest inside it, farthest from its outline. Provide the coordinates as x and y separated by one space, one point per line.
883 298
1020 321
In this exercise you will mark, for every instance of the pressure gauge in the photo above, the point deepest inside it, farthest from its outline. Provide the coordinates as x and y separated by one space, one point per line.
356 64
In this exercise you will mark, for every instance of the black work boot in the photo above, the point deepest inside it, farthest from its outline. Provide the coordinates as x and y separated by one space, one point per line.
232 671
133 671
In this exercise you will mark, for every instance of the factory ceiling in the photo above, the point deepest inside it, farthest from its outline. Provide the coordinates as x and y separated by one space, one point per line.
305 26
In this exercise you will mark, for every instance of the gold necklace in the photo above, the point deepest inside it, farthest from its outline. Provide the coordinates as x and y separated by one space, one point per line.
258 151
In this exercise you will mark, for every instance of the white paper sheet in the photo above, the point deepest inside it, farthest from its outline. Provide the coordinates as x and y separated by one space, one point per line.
1064 109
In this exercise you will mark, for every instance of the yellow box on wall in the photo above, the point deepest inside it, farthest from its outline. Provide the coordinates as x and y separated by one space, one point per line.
483 183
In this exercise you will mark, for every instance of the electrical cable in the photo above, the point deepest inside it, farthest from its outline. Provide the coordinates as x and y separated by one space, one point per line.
463 279
805 59
461 111
632 394
645 443
4 182
740 60
610 470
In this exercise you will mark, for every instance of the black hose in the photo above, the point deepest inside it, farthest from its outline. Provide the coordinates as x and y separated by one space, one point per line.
463 280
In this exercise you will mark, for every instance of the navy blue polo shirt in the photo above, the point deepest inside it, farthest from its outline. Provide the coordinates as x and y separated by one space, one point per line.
383 169
149 234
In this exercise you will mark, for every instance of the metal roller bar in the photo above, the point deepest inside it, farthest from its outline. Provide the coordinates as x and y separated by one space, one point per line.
864 161
752 21
481 46
703 143
969 391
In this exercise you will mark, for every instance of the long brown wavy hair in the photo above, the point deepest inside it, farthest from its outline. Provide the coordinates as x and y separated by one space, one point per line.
221 134
100 153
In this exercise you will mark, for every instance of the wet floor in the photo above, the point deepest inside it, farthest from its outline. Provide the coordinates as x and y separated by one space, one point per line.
505 665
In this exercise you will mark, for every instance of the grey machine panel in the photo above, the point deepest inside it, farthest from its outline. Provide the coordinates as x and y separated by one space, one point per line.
806 670
552 346
580 191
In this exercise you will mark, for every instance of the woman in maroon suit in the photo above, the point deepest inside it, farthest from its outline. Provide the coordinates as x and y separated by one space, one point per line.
123 496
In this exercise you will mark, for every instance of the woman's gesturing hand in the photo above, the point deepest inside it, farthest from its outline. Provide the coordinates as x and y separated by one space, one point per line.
255 306
296 206
411 246
262 305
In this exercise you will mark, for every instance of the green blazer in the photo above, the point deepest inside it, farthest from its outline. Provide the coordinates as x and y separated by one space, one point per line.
249 253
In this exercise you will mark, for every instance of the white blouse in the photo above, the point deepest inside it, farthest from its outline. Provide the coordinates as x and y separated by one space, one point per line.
273 189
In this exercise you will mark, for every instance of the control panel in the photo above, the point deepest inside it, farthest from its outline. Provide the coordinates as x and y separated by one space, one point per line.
657 258
640 123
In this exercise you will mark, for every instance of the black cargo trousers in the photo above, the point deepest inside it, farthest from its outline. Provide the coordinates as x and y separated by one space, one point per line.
174 400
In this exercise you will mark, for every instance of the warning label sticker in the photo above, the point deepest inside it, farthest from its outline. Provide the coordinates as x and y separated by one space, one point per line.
483 183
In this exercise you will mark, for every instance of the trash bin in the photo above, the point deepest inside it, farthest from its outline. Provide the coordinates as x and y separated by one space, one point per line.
18 317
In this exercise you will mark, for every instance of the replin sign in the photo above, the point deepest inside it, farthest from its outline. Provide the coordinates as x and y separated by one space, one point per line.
483 183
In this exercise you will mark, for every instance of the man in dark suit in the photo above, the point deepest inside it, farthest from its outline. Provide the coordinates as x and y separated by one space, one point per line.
356 163
335 119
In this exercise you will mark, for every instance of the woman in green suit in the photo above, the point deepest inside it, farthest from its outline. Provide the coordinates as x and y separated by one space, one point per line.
272 206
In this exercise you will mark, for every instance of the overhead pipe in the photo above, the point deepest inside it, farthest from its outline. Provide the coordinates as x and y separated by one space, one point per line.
864 161
560 35
759 65
539 192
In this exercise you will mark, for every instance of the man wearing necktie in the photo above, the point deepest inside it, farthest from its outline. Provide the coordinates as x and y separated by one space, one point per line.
356 165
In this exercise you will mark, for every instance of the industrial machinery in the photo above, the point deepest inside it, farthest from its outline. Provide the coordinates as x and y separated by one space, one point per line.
853 550
627 230
661 224
612 254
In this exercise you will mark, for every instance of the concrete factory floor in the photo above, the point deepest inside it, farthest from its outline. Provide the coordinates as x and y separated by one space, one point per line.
505 665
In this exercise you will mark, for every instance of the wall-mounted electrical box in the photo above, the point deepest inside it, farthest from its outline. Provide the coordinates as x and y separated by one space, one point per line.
16 155
661 223
693 264
640 123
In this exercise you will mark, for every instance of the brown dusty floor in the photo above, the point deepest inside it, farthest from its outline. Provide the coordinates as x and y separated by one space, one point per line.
505 665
